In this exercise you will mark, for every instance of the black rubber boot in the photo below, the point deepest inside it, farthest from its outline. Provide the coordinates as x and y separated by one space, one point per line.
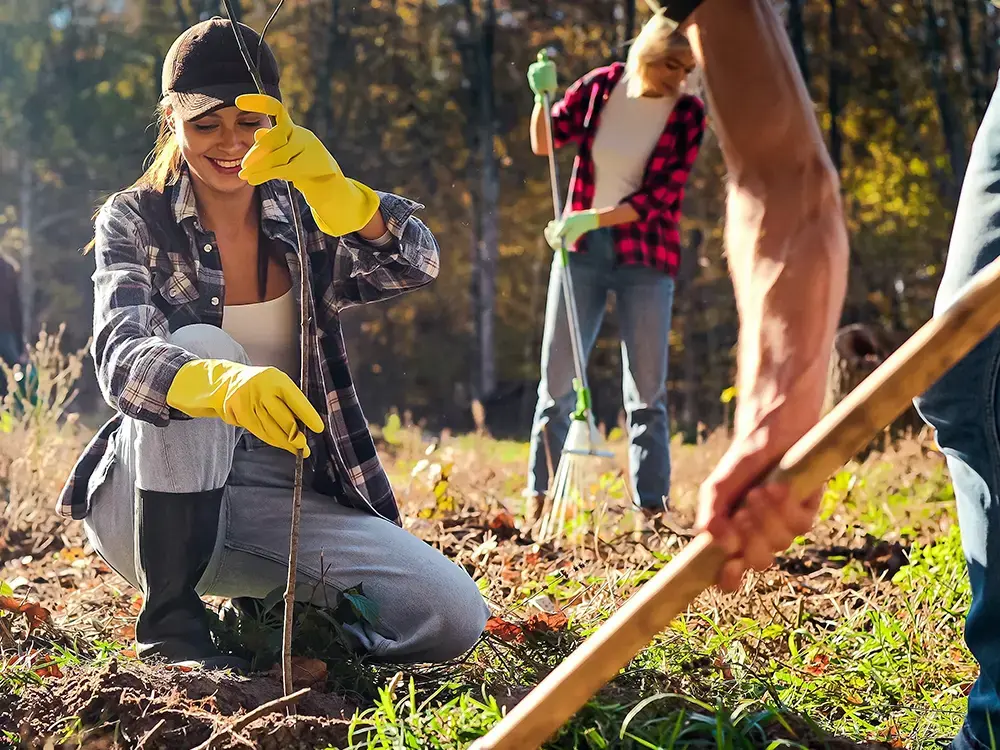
174 537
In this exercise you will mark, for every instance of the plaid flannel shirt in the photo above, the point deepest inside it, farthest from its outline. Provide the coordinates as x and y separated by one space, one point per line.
158 270
652 240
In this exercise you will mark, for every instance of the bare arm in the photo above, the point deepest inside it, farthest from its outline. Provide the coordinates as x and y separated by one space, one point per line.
623 213
375 228
785 233
539 143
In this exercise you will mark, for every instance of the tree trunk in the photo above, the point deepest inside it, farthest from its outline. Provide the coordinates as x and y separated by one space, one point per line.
834 100
797 33
972 73
690 308
626 28
321 112
27 252
950 122
988 69
489 239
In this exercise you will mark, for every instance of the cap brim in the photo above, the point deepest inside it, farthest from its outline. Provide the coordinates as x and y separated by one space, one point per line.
191 105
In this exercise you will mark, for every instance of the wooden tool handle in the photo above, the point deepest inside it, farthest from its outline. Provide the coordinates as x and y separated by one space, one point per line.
834 440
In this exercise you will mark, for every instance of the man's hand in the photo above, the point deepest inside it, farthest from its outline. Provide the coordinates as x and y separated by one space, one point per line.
751 519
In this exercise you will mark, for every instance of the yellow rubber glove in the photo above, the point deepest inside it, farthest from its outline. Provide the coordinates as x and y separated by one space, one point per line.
289 152
262 400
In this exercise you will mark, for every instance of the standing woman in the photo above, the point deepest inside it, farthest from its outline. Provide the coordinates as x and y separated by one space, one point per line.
637 136
187 489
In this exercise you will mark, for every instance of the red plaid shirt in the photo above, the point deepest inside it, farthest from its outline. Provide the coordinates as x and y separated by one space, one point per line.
653 239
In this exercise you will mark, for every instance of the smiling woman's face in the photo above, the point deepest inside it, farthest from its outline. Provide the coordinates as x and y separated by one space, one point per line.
214 144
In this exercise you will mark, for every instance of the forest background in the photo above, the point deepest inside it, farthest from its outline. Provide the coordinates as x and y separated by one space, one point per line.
428 98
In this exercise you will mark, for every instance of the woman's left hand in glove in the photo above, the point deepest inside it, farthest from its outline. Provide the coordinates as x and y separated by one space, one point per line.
570 228
290 152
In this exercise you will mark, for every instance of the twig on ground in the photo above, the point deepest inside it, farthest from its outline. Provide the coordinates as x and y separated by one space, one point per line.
263 710
150 734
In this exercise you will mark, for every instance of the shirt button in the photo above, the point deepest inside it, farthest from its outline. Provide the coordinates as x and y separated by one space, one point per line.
215 300
207 248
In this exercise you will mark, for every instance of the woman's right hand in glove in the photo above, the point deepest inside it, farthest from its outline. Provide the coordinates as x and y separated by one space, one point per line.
262 400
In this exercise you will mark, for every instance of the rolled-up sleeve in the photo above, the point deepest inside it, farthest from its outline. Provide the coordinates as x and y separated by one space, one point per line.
569 114
408 259
135 367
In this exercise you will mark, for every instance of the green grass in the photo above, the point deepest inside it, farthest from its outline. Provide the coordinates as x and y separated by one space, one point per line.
882 660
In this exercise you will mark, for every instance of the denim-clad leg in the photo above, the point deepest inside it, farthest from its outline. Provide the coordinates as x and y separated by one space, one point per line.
963 408
645 299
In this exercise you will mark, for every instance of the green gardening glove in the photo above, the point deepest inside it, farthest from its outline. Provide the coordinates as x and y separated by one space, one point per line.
570 228
542 77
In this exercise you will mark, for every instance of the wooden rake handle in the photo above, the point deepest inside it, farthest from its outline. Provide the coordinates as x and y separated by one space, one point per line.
927 355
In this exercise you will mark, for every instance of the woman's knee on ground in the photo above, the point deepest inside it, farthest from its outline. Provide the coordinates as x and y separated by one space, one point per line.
447 610
209 342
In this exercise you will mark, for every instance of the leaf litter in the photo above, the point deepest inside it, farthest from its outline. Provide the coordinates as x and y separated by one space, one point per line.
68 602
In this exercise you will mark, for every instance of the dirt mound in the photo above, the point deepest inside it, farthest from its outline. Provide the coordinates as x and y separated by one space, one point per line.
168 709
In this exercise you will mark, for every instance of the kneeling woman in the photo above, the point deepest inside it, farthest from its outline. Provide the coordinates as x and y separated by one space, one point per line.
187 490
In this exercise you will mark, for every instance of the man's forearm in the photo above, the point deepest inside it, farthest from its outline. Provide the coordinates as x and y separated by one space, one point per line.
785 237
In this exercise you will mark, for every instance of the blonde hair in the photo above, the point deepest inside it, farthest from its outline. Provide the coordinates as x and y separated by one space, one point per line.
656 42
164 162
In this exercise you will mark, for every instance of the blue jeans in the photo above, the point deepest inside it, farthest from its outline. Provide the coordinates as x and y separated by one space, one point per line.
964 409
429 608
645 299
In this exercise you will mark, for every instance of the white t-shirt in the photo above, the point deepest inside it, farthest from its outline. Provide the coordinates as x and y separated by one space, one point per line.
268 331
627 133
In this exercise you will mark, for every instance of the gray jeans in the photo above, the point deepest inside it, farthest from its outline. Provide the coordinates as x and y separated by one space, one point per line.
429 608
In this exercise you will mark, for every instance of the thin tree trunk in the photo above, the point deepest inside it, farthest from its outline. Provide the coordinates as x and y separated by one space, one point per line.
834 100
950 122
467 43
972 73
988 44
182 16
27 251
687 273
321 112
797 32
489 239
626 27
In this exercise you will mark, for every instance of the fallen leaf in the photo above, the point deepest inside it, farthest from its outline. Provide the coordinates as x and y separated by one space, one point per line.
510 575
72 553
50 670
505 631
34 612
546 622
503 524
818 665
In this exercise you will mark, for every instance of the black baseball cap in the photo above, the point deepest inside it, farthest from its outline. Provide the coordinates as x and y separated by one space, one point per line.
205 70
